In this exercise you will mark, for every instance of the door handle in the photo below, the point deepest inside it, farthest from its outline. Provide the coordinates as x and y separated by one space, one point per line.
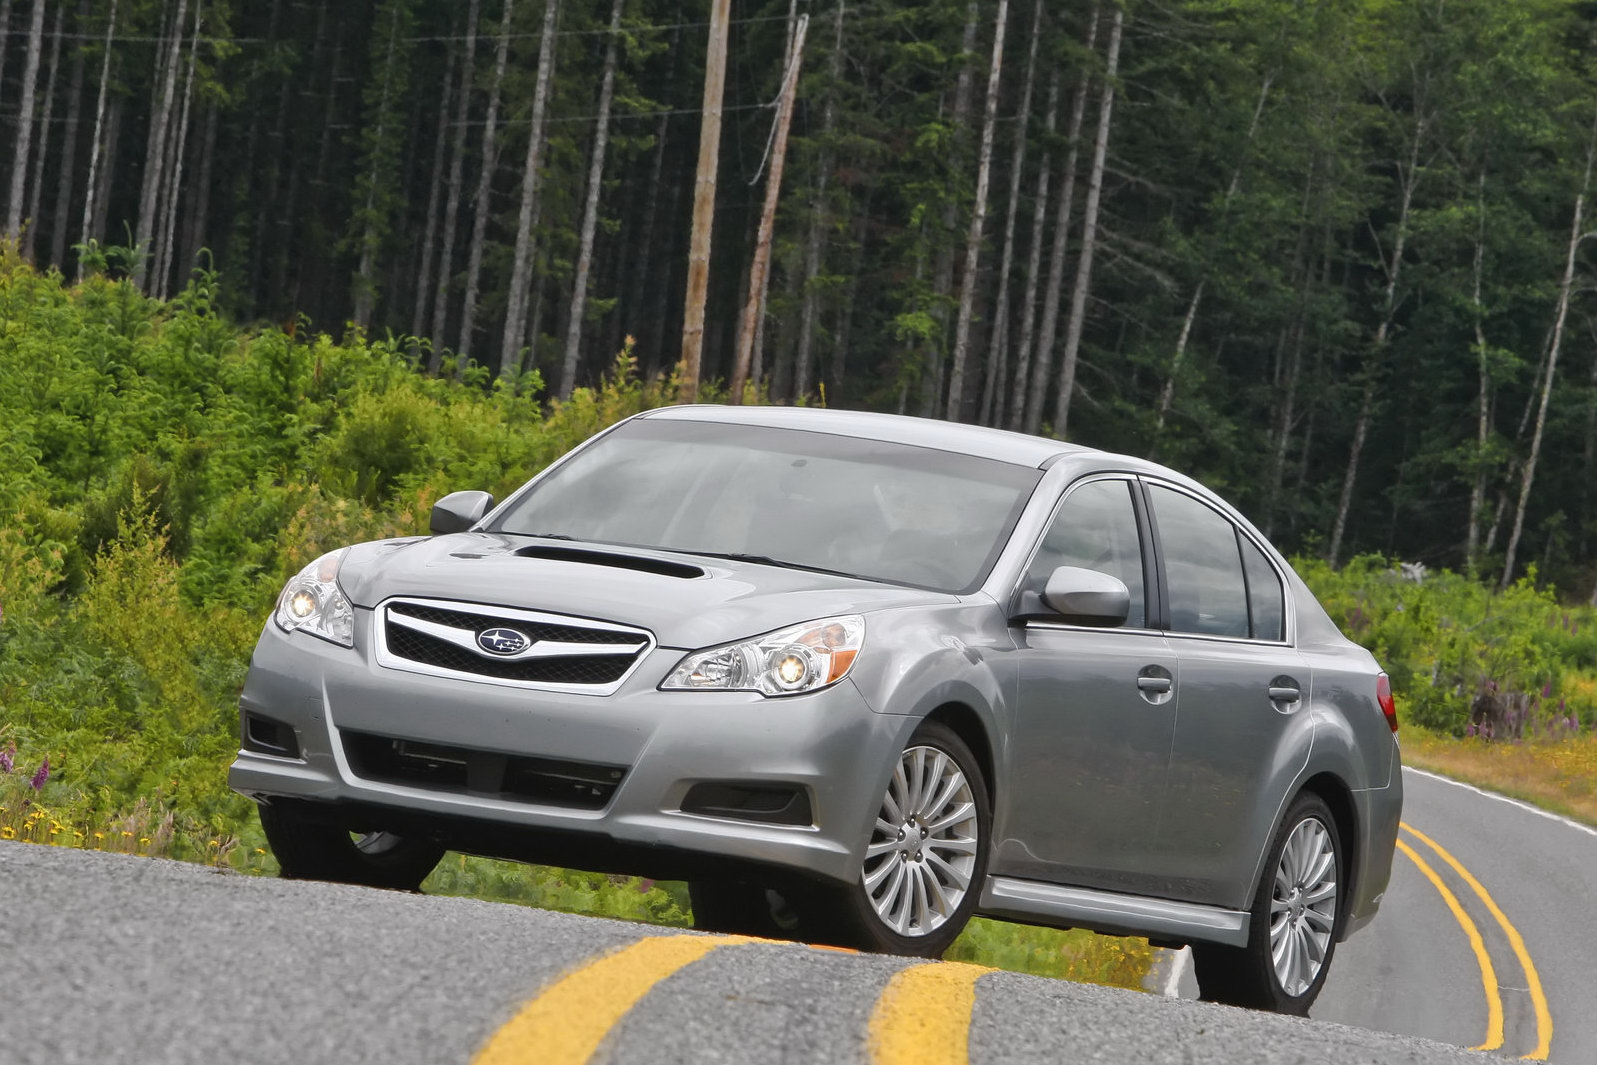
1284 694
1154 685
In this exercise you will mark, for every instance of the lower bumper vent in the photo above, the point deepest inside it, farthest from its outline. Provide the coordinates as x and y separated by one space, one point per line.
466 771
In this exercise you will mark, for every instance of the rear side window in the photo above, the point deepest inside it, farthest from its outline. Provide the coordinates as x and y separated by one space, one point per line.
1096 528
1265 600
1208 593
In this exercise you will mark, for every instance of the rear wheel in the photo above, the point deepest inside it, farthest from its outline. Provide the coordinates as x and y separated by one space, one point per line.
307 849
927 854
1296 916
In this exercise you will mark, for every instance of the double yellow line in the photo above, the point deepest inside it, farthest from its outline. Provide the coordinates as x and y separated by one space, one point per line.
1489 984
921 1018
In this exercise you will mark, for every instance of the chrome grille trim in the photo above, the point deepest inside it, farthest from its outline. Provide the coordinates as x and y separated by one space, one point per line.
612 643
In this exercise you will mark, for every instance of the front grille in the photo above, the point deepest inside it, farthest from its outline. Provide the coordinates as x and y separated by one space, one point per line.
467 771
435 637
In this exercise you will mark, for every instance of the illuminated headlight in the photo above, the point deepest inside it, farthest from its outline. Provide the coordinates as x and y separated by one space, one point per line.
312 602
798 659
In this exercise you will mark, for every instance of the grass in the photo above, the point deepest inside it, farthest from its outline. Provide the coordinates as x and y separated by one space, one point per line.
1557 774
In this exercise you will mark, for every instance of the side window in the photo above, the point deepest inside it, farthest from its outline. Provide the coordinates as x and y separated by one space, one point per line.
1096 528
1266 604
1208 593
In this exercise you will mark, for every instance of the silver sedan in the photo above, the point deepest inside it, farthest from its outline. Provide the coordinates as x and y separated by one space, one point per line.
856 678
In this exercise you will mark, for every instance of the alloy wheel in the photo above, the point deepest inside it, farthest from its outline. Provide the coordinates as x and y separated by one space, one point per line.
1303 906
921 858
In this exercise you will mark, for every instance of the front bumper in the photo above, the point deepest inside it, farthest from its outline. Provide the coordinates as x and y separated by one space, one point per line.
827 743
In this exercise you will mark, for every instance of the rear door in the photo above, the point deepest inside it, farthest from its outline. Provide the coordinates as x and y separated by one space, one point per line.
1241 737
1095 712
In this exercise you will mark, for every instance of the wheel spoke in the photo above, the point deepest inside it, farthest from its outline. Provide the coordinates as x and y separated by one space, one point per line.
876 850
965 811
956 844
961 880
874 878
934 884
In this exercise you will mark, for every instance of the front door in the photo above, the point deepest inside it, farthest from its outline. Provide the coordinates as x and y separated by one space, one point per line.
1095 713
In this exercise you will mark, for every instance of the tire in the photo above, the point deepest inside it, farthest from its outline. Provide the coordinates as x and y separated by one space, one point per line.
308 849
920 911
1297 907
741 908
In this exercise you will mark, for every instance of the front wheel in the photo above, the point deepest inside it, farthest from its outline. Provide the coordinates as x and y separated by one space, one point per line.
307 849
927 854
1296 917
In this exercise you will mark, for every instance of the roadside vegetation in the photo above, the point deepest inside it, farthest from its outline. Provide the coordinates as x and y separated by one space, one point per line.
162 473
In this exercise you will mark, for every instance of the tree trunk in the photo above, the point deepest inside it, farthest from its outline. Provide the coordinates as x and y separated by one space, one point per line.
1409 178
19 162
1565 288
943 273
1042 363
429 240
1016 414
590 209
781 374
155 151
1089 233
813 250
998 346
978 219
5 38
36 189
200 209
481 208
1167 394
1483 407
457 156
644 279
773 190
521 270
704 202
175 186
371 236
845 315
69 150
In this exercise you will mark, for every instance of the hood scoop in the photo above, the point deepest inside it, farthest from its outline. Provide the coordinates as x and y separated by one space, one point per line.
640 563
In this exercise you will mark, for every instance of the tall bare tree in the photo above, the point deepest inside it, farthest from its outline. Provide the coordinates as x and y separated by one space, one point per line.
998 342
19 162
36 183
521 267
590 207
1089 231
457 157
978 219
165 248
429 239
1043 360
704 200
89 215
155 147
69 148
1566 286
481 205
802 358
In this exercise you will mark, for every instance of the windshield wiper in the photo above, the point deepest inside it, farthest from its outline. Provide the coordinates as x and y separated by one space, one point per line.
537 535
767 560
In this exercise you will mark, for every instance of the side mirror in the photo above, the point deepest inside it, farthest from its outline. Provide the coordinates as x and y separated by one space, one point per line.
1087 597
459 511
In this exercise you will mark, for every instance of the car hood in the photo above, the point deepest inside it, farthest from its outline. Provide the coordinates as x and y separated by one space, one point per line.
686 601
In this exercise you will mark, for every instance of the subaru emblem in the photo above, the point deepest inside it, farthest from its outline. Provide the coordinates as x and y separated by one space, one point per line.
503 641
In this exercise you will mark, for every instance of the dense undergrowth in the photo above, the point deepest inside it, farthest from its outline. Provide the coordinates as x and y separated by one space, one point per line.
162 472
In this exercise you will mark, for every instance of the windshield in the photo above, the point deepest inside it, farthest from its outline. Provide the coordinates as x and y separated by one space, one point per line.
865 508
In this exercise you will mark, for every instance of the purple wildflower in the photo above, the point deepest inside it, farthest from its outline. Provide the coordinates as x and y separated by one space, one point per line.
42 775
1470 731
8 758
1547 690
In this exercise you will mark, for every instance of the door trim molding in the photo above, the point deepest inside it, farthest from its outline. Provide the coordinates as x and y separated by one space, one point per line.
1108 911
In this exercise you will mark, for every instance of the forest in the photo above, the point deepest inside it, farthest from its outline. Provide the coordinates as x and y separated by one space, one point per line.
1329 258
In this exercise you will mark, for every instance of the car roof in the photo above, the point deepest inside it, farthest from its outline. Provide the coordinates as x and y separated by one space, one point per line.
998 444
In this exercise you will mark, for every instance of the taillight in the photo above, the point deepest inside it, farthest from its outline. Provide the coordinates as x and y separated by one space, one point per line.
1383 695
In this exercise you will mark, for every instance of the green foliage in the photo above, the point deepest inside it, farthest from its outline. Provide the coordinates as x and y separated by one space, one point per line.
1446 638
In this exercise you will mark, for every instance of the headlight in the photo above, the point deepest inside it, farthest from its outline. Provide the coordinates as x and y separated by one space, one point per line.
313 602
798 659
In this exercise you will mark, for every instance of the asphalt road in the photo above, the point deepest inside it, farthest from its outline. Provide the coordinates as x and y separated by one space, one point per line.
111 959
1414 970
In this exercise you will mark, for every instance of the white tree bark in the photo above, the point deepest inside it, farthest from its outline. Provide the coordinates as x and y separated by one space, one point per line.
481 206
155 151
590 208
978 219
69 151
1043 361
99 127
521 269
19 162
36 183
1565 288
429 239
1089 233
998 343
1015 416
175 169
456 166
